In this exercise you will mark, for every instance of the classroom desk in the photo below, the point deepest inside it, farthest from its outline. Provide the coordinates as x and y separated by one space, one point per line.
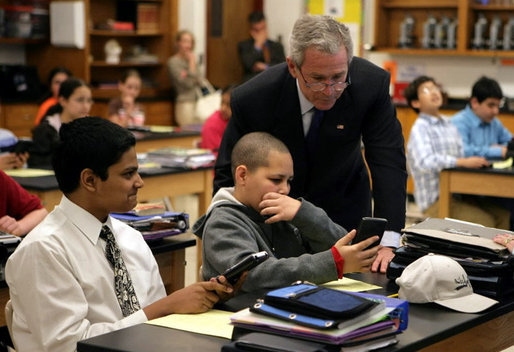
431 328
483 182
146 141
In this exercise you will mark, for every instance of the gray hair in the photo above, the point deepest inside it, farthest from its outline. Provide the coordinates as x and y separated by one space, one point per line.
324 33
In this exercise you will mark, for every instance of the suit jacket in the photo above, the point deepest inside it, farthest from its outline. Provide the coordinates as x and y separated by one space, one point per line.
337 181
249 56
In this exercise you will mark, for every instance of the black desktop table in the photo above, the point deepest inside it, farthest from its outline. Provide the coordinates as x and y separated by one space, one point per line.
431 328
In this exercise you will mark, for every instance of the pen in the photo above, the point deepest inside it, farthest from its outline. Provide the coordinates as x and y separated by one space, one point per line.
393 295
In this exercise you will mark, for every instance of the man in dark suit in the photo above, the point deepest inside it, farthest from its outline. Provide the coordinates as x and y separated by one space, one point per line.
258 53
347 99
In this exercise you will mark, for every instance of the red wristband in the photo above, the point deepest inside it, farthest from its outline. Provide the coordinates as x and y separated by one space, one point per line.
339 261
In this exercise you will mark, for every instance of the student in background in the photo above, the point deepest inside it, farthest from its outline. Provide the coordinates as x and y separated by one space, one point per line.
57 75
62 283
214 126
258 215
258 53
185 79
482 133
435 144
124 110
74 102
20 211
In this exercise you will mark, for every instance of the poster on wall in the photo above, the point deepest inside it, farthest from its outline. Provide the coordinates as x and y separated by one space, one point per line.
347 11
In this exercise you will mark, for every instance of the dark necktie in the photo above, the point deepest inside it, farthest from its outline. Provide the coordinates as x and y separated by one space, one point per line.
311 139
122 283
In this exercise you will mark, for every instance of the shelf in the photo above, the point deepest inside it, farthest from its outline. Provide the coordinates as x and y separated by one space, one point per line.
125 64
417 4
5 40
443 52
492 7
106 93
109 33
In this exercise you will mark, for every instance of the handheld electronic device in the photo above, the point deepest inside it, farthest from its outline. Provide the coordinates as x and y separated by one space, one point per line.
233 273
370 227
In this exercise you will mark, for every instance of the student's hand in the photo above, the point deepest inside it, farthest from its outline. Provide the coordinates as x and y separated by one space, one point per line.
224 295
356 258
11 161
279 206
21 159
10 225
198 297
472 162
385 255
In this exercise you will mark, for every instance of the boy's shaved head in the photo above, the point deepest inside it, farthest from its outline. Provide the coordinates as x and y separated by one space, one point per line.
252 150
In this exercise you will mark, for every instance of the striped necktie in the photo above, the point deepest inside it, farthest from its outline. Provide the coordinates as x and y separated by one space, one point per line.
122 283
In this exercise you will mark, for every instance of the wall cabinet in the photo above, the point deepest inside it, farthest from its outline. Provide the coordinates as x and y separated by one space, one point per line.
389 15
90 63
18 118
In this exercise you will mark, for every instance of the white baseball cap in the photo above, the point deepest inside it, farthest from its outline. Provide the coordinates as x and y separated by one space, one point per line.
442 280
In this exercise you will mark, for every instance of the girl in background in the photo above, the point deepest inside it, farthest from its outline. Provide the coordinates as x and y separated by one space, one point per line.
124 110
74 101
58 75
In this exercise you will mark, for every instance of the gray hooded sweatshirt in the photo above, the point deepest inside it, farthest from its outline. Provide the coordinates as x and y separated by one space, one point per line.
299 249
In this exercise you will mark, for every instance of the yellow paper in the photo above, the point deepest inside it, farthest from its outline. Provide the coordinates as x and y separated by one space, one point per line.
214 323
505 164
29 172
162 129
352 285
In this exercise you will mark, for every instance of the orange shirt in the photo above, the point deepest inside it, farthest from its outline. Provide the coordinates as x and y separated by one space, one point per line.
43 108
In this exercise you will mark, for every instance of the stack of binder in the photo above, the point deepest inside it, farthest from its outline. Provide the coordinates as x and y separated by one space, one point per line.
154 227
489 266
182 157
332 317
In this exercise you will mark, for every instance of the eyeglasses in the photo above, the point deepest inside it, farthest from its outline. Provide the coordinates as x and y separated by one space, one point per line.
431 89
320 86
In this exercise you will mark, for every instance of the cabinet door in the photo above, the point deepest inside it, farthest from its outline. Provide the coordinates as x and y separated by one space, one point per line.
158 113
19 118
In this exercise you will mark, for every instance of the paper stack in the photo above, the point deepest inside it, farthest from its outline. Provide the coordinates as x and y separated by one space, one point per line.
154 227
182 157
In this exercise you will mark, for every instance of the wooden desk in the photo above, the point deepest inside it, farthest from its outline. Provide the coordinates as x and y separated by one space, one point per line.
484 182
431 328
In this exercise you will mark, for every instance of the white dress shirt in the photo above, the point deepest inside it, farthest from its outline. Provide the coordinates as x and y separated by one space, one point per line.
62 286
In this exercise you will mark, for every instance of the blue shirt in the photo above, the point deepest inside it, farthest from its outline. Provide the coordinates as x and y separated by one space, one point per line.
479 136
434 144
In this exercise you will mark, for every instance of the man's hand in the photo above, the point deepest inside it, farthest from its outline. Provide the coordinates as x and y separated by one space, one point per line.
279 207
224 295
356 257
385 255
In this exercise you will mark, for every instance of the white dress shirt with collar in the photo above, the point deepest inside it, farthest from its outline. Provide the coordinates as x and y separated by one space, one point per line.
62 286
